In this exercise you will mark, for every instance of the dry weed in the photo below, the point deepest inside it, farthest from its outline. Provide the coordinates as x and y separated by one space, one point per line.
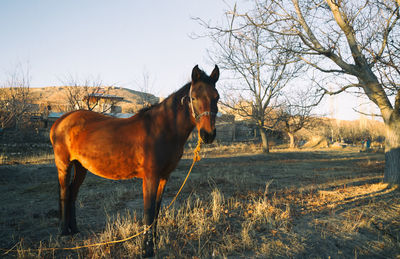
40 158
217 204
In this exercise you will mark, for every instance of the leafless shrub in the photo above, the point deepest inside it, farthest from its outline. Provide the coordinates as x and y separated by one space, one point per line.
88 95
15 99
146 86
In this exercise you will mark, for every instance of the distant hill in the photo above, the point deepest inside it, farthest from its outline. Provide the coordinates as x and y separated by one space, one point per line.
56 97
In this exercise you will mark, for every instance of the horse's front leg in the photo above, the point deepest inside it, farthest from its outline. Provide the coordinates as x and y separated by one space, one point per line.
160 191
150 188
79 177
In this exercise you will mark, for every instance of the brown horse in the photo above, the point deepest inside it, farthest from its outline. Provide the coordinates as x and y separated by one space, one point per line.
147 145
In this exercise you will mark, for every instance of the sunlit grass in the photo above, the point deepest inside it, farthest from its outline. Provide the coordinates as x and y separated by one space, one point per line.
40 158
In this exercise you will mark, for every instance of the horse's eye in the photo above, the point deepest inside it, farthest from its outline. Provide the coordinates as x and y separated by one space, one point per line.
193 99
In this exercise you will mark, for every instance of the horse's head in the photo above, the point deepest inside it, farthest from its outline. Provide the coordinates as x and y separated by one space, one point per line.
203 99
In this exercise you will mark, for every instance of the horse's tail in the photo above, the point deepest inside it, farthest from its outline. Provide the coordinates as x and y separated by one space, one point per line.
53 130
52 137
54 127
59 200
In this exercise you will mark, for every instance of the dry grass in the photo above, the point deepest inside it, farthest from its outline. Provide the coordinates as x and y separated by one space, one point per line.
40 158
320 204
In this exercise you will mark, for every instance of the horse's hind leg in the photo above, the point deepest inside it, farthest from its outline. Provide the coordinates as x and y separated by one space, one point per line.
79 177
64 174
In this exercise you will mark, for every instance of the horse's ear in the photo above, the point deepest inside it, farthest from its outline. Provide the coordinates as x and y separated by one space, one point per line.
215 74
196 73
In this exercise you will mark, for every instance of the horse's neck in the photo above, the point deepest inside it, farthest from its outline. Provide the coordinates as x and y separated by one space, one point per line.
175 117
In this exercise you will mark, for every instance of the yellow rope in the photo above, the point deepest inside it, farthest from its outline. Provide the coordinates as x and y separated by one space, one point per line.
196 157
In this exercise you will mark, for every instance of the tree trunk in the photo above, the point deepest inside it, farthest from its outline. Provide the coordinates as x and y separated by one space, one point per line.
392 150
233 131
264 139
291 138
391 116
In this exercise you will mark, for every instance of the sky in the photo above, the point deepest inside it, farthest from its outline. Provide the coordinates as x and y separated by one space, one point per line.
116 42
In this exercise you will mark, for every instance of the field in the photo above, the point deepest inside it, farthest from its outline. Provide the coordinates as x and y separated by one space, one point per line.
238 203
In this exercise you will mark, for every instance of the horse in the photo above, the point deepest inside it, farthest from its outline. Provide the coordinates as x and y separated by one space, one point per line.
147 145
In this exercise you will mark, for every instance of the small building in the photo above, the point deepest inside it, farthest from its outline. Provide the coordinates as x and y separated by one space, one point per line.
103 102
52 117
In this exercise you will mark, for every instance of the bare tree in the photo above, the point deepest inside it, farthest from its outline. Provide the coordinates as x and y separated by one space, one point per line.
261 71
78 93
296 113
88 95
146 90
355 41
15 98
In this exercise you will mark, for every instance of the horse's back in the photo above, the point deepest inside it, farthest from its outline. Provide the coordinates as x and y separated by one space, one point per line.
73 120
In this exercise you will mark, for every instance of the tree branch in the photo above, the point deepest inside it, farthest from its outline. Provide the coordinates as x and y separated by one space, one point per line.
367 114
318 46
389 27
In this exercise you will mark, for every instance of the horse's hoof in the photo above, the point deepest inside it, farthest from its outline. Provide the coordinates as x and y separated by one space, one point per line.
148 248
74 231
147 254
64 232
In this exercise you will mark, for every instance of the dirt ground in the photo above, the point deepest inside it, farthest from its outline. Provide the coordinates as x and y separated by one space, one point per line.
335 203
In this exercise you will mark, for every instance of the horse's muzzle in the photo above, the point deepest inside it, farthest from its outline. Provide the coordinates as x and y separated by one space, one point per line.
208 137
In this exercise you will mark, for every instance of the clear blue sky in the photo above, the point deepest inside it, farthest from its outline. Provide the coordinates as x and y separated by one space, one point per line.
112 40
115 41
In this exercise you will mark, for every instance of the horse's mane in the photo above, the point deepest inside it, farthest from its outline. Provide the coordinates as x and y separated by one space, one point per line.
177 95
